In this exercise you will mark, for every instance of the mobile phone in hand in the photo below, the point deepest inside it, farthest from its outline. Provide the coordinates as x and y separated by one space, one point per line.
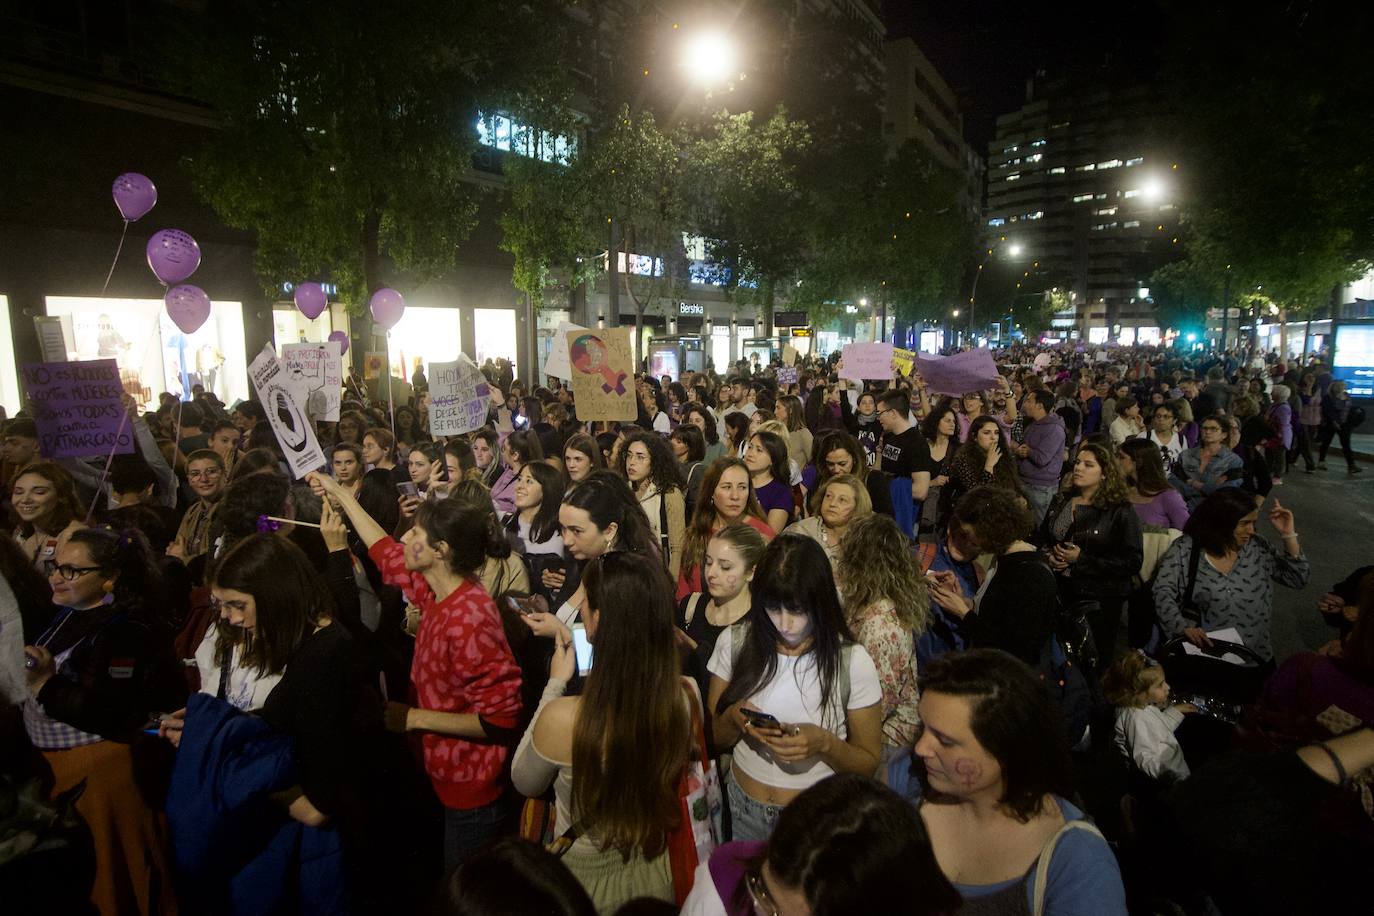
761 720
408 490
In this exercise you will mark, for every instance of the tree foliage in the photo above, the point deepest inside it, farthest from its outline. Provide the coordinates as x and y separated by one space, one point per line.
349 126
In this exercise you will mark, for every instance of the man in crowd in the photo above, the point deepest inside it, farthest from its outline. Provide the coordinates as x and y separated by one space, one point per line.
20 446
246 416
904 451
224 440
1041 455
205 476
193 438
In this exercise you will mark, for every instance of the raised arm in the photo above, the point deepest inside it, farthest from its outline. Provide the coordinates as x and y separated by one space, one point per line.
367 529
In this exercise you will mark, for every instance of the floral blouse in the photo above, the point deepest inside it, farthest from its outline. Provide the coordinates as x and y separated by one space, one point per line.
893 650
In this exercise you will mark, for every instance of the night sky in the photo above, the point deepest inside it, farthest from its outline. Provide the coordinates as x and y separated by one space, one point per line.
986 49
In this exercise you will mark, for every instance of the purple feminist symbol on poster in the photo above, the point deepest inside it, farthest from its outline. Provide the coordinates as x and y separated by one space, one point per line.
588 355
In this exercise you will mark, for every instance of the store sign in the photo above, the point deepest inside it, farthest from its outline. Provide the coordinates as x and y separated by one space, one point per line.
318 367
459 396
789 319
688 309
78 408
330 289
284 401
801 332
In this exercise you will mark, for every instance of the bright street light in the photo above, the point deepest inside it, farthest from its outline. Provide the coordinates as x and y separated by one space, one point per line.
863 302
1153 190
956 313
708 57
1014 250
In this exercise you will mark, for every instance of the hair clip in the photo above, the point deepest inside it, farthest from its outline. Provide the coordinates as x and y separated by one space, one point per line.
267 524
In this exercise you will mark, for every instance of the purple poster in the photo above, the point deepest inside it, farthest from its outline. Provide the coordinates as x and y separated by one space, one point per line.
77 408
972 370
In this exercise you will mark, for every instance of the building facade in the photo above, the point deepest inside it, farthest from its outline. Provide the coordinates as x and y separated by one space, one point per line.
1082 196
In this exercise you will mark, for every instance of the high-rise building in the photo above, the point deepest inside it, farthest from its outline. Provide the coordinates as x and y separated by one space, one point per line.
1082 196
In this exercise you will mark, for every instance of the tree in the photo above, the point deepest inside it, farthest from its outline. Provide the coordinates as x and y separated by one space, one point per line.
349 128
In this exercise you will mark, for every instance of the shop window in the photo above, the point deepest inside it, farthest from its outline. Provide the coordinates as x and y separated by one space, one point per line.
424 336
9 375
494 336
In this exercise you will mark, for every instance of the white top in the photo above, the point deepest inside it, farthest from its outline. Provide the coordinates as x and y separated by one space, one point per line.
553 545
704 900
1146 735
794 696
247 689
1174 447
662 424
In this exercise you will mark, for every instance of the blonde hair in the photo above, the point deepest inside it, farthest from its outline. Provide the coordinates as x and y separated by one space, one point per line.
1127 680
773 426
875 565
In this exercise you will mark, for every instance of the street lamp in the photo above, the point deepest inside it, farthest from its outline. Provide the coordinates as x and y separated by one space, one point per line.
1153 190
708 58
1014 249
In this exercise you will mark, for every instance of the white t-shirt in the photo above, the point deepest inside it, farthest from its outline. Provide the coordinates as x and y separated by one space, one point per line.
553 545
794 696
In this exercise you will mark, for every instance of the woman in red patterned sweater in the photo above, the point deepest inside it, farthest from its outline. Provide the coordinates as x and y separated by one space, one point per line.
465 684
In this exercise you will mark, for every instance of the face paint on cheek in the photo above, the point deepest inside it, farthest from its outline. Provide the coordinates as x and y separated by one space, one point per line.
967 772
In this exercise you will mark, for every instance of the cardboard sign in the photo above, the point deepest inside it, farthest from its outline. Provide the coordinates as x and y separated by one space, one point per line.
77 408
903 360
319 368
557 364
863 361
374 365
972 370
602 374
789 355
283 399
458 397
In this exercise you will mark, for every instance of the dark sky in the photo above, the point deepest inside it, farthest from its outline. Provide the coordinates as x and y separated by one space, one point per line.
986 49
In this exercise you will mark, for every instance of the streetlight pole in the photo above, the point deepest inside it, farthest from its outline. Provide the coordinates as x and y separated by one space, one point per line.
1015 249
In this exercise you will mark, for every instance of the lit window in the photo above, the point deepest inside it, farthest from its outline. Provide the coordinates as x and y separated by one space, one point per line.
1035 157
1100 197
1109 164
997 221
1133 192
1038 214
1136 161
1100 226
1057 170
500 132
1040 142
1014 176
1107 211
1011 149
1079 198
1131 224
1168 207
1084 168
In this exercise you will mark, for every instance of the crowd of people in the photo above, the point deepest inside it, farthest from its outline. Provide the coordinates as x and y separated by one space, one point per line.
814 647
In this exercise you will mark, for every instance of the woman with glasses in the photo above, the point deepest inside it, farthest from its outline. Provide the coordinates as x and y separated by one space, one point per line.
44 498
95 674
1209 467
1164 433
648 465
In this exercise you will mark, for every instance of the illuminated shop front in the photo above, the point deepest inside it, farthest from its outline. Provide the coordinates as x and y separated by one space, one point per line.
9 375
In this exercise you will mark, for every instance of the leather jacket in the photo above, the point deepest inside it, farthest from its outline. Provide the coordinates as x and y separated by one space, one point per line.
1112 545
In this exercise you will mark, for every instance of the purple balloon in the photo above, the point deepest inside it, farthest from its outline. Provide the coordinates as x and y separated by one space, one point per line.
173 255
387 307
134 195
311 300
342 339
188 306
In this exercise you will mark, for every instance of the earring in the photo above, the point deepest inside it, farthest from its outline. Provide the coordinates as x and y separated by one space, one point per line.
108 586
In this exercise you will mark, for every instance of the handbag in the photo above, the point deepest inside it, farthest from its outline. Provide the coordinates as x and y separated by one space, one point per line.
699 830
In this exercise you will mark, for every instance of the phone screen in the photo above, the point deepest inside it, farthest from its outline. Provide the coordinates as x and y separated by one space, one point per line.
408 489
582 647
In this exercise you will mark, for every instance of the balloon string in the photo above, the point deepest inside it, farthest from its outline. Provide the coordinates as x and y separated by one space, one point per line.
105 474
390 395
116 259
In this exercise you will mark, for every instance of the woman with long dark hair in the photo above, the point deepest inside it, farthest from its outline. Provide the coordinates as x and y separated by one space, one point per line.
647 464
44 497
1155 501
465 713
486 452
941 431
700 416
614 754
538 495
581 456
1094 543
520 448
985 459
766 459
796 662
737 432
94 675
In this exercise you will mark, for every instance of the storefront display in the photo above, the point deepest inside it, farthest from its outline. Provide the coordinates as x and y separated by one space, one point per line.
422 336
495 337
152 352
9 377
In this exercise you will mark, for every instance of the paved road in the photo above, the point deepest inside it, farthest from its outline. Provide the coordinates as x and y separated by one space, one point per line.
1334 513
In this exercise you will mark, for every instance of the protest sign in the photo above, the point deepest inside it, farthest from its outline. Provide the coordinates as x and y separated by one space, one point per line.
787 375
557 364
77 408
903 360
789 355
374 365
972 370
319 368
283 399
458 397
602 374
866 361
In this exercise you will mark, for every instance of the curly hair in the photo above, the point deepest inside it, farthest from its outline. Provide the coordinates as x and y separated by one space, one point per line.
996 516
1125 682
875 564
664 473
1112 491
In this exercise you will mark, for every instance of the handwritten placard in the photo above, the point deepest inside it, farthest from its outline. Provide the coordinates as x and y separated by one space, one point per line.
77 408
787 375
862 361
319 368
458 397
557 364
283 399
903 360
958 374
602 374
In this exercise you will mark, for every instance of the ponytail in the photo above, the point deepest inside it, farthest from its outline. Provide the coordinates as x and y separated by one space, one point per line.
125 557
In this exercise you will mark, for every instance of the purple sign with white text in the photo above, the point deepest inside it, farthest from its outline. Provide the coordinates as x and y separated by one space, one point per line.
77 408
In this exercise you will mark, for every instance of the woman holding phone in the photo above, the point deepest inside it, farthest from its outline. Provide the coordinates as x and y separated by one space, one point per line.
520 448
791 692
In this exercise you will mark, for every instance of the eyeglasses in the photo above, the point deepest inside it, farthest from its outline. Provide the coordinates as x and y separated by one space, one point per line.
68 571
207 474
758 894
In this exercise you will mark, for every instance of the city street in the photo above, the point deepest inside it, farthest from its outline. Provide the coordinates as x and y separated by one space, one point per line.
1335 514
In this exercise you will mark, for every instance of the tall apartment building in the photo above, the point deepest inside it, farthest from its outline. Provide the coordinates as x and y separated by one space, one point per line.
922 107
1084 193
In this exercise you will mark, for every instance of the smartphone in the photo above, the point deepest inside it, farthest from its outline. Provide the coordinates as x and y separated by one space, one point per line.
760 719
557 565
408 490
582 648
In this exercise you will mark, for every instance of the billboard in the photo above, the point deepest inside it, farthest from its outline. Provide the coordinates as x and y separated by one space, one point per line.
1352 359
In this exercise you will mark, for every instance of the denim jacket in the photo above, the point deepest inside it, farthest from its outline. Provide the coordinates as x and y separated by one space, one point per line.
1225 470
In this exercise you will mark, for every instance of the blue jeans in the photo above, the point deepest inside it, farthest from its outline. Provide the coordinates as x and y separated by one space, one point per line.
468 830
1039 499
750 819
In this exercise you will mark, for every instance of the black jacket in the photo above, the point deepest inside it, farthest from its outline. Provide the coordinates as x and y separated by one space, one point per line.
1112 545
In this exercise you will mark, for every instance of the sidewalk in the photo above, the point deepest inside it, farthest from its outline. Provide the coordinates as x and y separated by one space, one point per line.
1363 446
